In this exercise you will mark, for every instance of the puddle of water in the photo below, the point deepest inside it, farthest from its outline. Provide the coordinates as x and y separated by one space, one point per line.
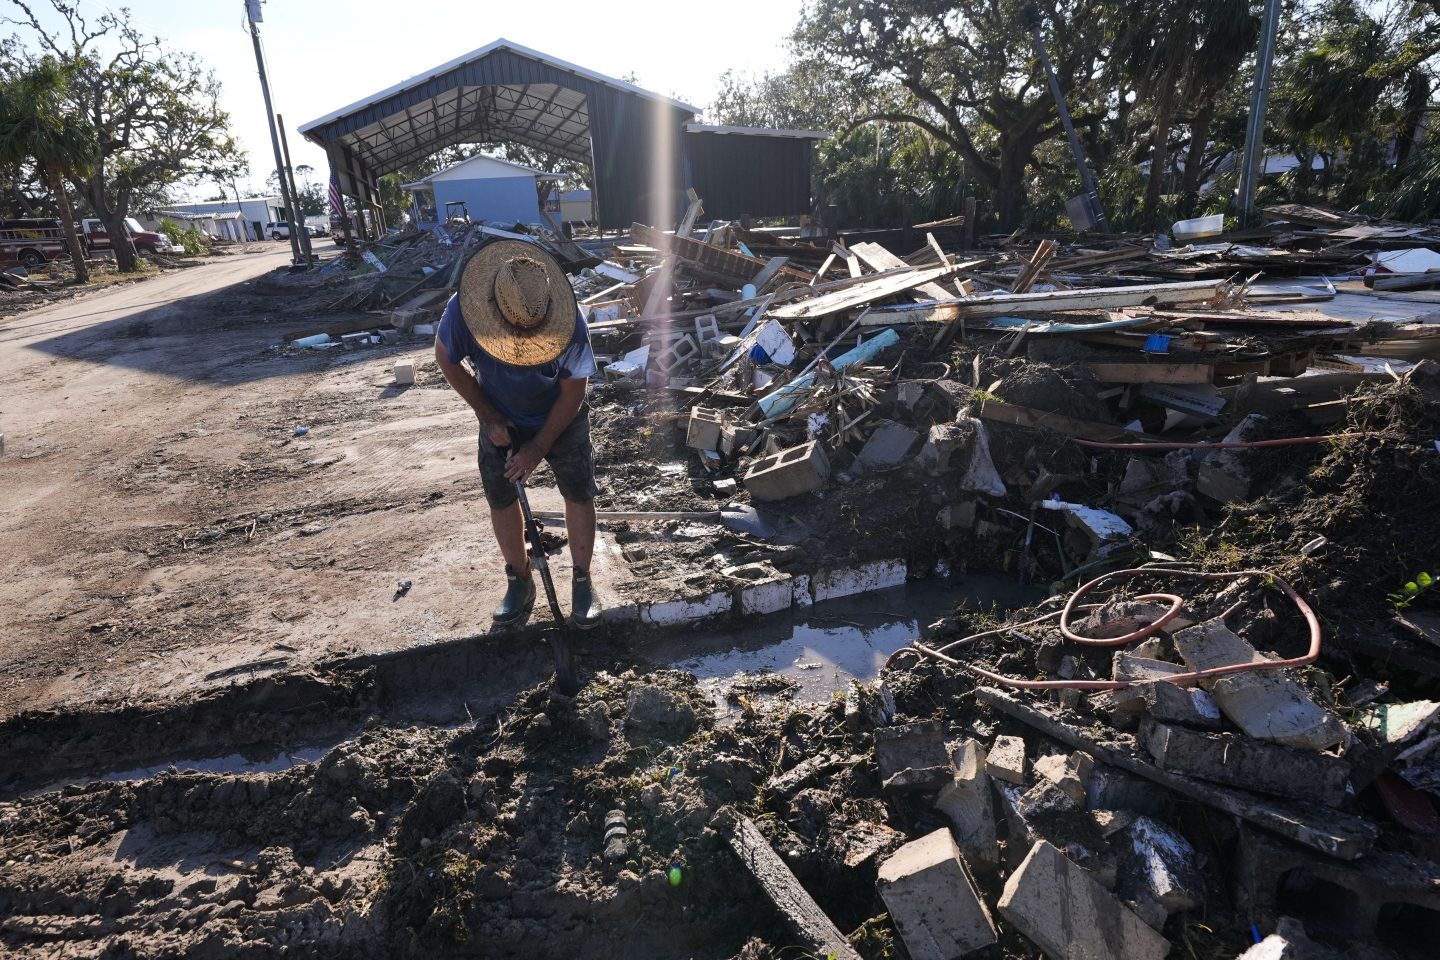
823 647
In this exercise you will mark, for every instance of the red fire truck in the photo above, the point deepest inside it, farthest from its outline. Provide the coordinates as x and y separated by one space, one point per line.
32 241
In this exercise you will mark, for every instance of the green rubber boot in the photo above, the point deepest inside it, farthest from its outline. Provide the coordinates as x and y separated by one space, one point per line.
585 609
519 598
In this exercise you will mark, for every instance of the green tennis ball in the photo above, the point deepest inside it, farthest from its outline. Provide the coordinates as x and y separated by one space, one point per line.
675 876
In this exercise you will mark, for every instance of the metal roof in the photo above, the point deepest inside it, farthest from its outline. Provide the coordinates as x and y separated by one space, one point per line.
502 92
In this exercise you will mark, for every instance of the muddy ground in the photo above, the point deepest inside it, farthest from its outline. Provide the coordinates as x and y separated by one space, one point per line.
187 569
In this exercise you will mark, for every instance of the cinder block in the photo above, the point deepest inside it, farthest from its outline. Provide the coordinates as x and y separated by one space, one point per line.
677 352
706 328
789 473
1352 898
1266 704
733 438
1158 869
404 372
933 901
703 433
966 801
912 756
1244 762
673 612
1070 915
850 581
1006 760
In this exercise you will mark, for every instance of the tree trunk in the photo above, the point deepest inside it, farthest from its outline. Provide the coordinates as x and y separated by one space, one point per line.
67 223
1159 148
1010 189
114 221
1195 154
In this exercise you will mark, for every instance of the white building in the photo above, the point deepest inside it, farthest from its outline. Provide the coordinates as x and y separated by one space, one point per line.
255 213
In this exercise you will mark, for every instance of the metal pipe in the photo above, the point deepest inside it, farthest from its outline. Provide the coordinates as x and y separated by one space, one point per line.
252 12
1031 16
1255 125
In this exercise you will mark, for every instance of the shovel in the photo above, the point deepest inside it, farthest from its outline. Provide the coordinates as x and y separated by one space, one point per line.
567 678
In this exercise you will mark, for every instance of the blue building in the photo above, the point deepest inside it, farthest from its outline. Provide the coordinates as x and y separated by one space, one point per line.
490 189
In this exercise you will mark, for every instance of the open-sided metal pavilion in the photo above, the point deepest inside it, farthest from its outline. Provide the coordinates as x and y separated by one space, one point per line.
644 149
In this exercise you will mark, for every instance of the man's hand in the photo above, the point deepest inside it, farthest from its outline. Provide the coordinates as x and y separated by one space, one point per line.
498 431
522 461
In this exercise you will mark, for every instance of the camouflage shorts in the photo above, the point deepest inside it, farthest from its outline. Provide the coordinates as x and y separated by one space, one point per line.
571 459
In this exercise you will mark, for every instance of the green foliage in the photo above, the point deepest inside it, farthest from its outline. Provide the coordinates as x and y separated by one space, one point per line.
188 239
1412 590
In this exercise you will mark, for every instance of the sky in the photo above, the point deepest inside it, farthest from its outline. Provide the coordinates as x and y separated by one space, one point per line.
325 54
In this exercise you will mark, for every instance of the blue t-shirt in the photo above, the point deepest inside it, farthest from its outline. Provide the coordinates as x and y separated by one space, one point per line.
523 394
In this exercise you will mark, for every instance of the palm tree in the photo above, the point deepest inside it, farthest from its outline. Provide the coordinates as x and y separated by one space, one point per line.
36 127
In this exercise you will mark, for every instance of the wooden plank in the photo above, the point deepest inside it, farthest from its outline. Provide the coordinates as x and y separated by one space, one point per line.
769 272
735 266
1028 273
851 263
800 911
1325 829
692 210
1097 298
859 295
881 259
1019 416
1145 371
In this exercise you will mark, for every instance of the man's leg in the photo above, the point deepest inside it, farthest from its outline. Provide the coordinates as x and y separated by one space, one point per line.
580 528
509 524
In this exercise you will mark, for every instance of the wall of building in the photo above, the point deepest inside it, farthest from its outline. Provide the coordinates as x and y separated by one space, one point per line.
499 199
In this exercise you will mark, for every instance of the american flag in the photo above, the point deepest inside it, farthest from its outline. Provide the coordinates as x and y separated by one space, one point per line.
337 204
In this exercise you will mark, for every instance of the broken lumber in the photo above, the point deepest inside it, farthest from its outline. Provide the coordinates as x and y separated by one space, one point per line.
800 911
860 294
735 266
881 259
1330 831
1098 298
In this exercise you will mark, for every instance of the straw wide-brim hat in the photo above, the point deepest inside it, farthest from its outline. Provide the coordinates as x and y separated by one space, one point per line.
517 303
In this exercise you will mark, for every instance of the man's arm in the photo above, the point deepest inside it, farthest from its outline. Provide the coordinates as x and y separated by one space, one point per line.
567 405
495 425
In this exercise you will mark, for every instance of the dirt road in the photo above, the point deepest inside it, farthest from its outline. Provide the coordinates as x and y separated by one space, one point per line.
166 530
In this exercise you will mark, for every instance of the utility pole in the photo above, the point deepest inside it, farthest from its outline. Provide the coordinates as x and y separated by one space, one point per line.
1090 198
1253 167
252 12
290 175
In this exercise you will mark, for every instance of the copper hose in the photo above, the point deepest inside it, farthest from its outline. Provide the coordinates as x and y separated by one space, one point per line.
1218 445
1311 655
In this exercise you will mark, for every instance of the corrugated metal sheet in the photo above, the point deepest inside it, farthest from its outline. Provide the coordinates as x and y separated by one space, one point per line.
746 174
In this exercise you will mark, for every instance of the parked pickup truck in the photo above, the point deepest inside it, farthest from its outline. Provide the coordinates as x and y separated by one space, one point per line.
32 241
145 241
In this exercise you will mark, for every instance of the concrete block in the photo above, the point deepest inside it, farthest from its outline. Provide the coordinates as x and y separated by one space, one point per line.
887 446
789 473
913 756
1068 914
404 372
1124 708
1113 789
801 591
1128 666
673 612
677 353
703 431
735 437
1266 704
768 596
1243 762
933 901
1225 474
726 488
706 328
1006 760
1158 869
1070 773
1374 897
1168 703
966 801
850 581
